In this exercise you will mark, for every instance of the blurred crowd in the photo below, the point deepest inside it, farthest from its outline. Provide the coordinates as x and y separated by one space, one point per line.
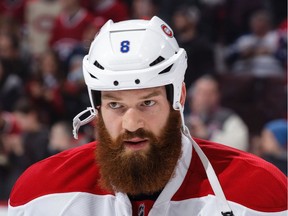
236 76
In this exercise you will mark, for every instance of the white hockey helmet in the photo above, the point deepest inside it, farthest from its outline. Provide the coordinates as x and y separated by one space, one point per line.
134 54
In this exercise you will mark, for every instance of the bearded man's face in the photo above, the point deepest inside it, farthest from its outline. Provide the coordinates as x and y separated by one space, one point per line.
139 140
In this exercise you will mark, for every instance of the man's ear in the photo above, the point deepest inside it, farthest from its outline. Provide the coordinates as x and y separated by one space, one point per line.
183 94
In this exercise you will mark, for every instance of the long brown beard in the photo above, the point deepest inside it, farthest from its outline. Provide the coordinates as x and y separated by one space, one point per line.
139 172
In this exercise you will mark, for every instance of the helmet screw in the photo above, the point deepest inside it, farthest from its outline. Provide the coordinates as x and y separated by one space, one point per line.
137 81
116 83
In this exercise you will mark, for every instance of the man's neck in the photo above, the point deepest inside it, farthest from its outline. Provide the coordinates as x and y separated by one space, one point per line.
140 197
187 35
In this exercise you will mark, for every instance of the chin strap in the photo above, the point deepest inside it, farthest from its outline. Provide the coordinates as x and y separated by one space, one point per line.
212 177
77 122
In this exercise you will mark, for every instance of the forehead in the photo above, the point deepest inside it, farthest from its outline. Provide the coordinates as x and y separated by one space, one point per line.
136 93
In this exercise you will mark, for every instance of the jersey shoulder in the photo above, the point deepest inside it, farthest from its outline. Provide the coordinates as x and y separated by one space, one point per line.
246 178
74 170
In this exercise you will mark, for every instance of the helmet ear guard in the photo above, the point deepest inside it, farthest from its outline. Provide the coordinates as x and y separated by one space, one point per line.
133 54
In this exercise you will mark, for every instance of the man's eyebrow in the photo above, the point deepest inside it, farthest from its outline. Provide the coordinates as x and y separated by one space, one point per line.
152 94
109 96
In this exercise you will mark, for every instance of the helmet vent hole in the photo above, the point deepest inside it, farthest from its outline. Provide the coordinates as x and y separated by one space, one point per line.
116 83
137 81
93 76
157 61
166 70
96 63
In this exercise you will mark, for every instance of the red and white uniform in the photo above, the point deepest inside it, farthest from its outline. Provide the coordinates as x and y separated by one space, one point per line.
13 8
68 31
66 184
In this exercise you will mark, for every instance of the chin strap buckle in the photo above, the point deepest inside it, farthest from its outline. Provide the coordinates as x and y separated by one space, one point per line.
77 122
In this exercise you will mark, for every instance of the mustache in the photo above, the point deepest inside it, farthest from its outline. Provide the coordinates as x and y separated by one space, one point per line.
139 133
126 135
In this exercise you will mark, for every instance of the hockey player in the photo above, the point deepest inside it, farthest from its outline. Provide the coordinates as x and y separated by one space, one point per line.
145 162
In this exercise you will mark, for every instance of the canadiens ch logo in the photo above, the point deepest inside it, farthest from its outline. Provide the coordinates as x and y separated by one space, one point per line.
141 210
167 30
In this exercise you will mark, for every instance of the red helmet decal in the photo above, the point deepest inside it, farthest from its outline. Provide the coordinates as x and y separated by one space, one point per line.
167 30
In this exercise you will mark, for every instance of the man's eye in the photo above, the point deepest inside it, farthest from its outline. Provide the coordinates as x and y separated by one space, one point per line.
114 105
149 103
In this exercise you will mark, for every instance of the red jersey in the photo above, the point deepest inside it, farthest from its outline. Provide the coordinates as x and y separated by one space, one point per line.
13 8
66 184
68 31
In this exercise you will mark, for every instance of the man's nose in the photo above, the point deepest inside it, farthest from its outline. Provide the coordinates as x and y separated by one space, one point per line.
132 120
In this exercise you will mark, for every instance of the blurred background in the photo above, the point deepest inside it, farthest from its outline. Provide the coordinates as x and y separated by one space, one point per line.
236 76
